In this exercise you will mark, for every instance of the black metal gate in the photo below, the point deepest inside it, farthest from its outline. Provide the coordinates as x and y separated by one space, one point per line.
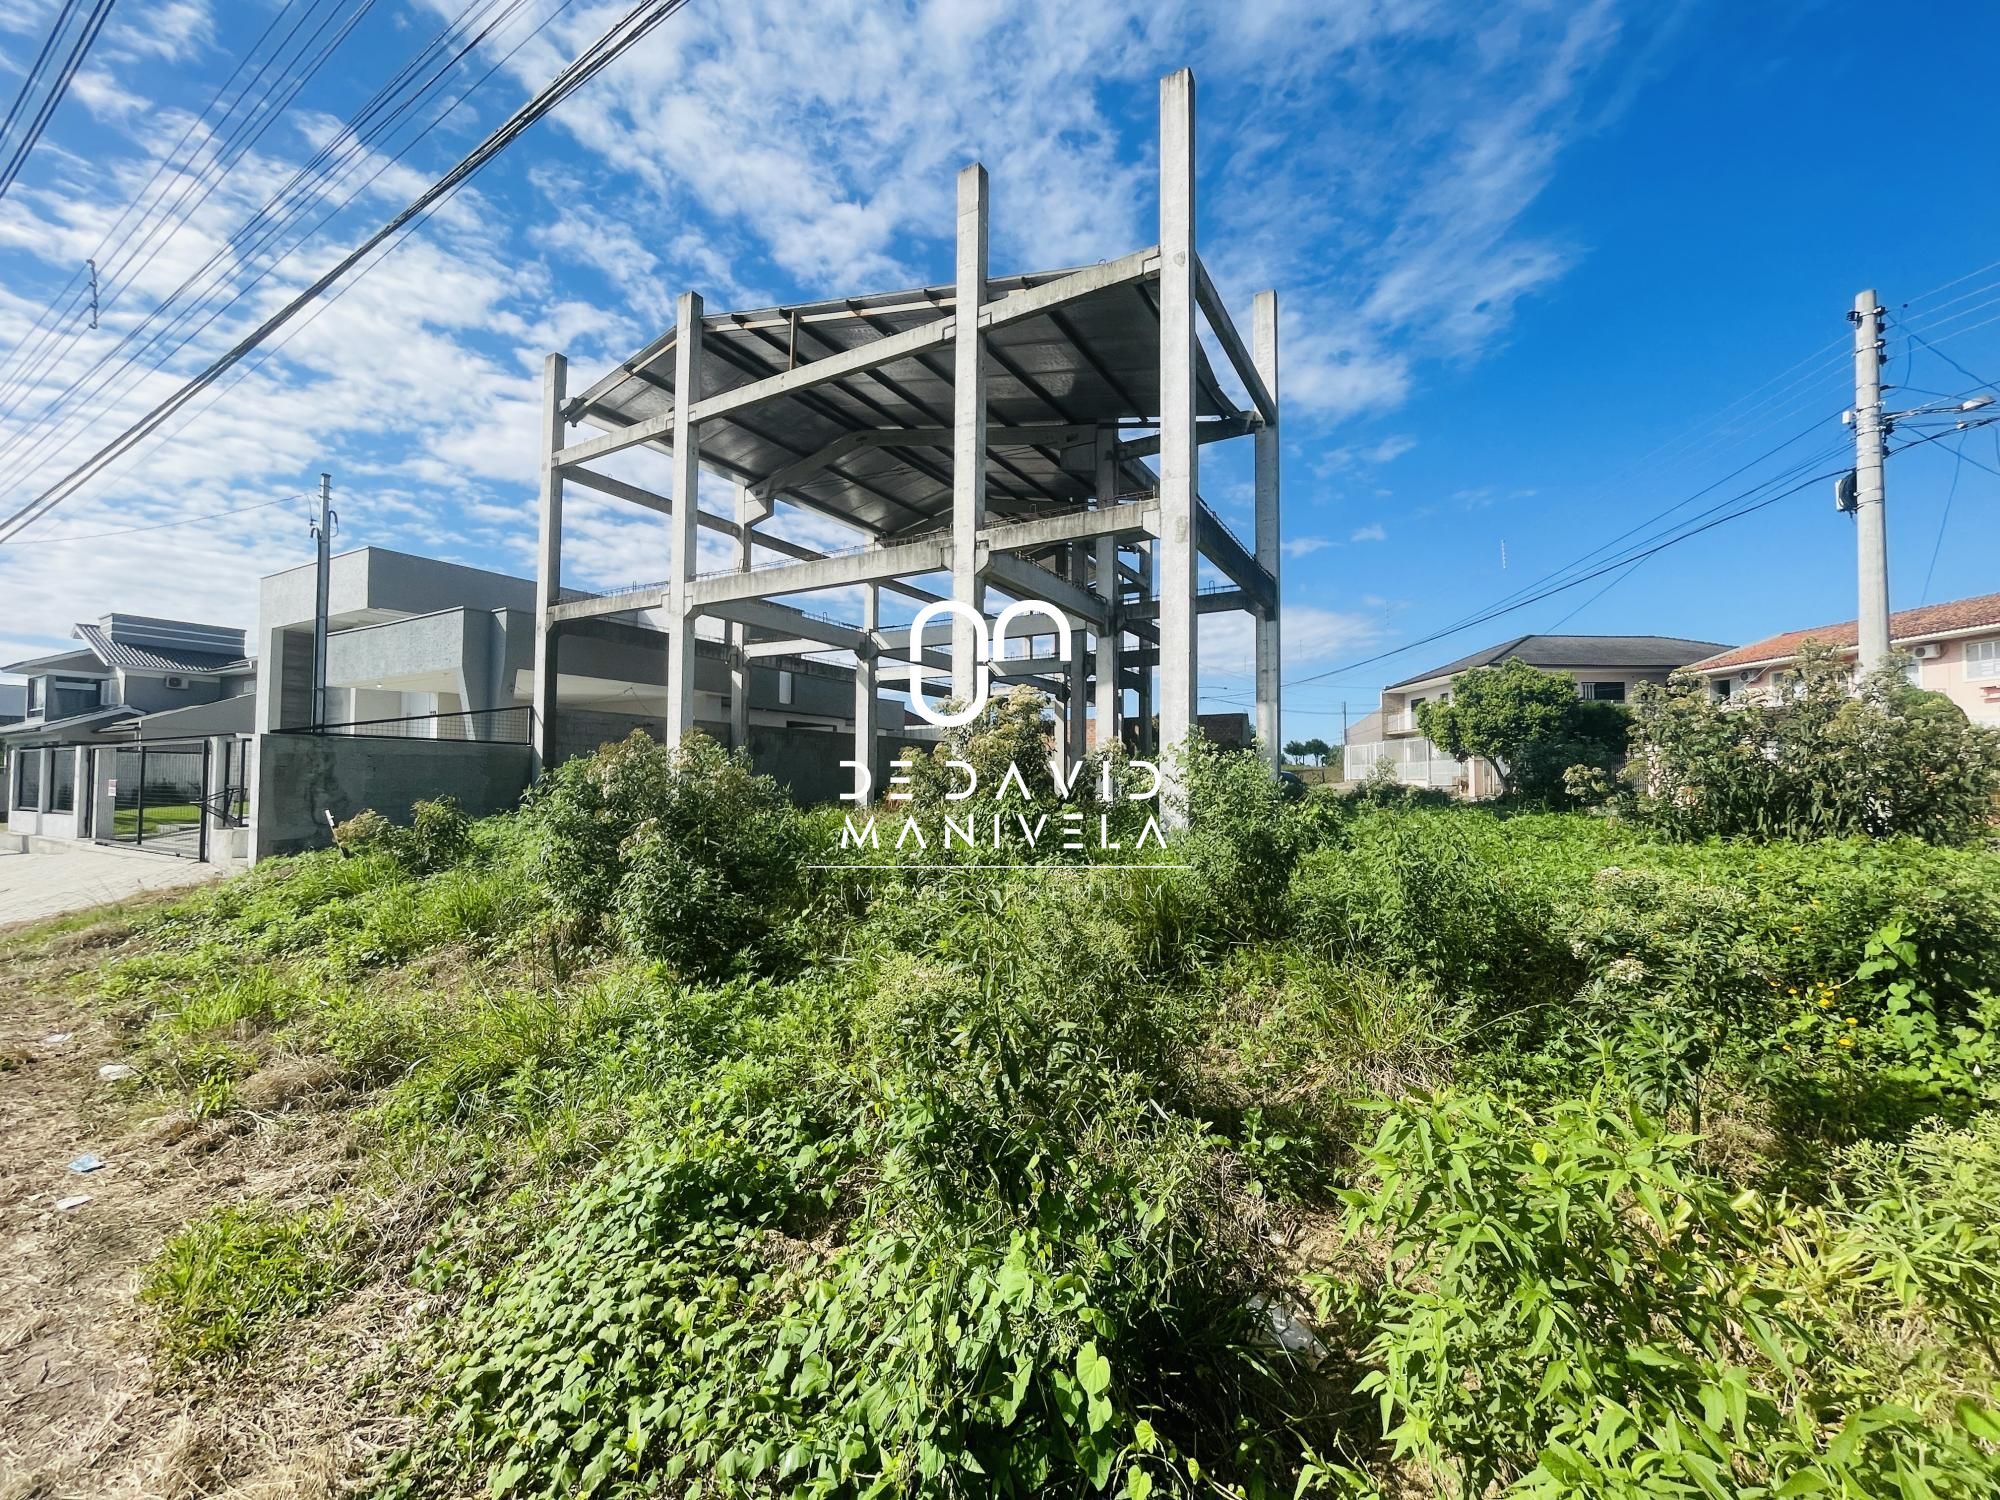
156 799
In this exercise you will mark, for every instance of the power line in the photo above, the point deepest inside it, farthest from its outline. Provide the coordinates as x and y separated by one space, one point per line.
93 23
1938 546
92 536
1509 608
1976 380
623 33
28 354
313 181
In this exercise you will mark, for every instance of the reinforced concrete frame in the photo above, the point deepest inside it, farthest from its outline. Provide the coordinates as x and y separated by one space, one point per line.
991 434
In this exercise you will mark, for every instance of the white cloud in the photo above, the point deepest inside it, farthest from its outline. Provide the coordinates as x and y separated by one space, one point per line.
1305 546
768 150
1372 532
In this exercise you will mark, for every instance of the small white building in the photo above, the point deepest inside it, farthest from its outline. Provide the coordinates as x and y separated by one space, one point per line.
1606 668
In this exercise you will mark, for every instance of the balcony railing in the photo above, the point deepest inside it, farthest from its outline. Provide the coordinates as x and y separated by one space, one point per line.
488 726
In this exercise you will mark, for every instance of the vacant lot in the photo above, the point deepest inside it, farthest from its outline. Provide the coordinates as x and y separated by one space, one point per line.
609 1148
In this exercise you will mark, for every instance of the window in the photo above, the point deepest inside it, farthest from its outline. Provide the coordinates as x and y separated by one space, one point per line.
1722 688
785 687
62 781
1982 658
28 779
1601 692
35 689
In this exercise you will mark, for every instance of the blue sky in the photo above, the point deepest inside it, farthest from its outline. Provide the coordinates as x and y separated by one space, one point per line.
1546 269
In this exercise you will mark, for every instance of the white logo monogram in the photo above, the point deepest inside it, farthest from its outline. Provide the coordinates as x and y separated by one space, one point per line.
990 650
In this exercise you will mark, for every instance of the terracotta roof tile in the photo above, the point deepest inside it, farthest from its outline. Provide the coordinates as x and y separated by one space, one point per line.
1905 625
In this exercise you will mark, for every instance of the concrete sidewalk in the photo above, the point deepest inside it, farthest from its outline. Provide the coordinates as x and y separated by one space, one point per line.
36 885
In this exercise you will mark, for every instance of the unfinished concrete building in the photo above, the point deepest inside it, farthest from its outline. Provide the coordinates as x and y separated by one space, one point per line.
993 442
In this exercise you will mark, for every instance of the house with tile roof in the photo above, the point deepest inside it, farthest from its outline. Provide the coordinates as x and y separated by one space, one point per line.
1954 649
1606 668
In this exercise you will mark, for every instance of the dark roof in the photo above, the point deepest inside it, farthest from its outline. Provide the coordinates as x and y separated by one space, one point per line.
1645 653
1092 361
1904 625
116 653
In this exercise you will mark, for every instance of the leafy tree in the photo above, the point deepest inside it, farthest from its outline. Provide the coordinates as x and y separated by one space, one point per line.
1529 725
1315 750
1814 758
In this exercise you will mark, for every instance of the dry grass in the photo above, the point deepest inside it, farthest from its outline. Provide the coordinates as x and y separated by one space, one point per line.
83 1410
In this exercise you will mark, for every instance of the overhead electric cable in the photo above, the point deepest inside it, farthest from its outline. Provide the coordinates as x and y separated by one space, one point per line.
93 23
1508 608
123 262
623 33
1957 468
93 536
255 236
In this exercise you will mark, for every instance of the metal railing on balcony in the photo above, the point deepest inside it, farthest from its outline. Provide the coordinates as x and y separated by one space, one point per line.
487 726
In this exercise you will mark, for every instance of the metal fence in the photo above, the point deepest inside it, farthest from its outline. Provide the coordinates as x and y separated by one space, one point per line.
485 726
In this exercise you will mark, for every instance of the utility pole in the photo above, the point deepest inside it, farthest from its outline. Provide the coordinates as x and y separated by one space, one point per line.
323 563
1870 430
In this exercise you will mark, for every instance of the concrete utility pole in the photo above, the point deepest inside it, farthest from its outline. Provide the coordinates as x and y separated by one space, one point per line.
1870 536
323 565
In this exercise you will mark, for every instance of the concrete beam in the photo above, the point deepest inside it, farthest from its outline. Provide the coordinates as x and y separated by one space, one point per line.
1208 602
620 489
871 565
1079 526
781 619
1224 328
1264 330
1207 430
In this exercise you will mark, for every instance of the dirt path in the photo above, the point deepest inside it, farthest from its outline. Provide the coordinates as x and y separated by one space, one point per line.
83 1412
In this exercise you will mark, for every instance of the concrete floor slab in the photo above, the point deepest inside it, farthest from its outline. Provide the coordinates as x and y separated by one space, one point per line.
36 885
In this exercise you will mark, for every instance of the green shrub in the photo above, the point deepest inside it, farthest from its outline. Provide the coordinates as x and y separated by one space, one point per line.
440 836
691 855
1813 759
1568 1307
226 1278
1433 892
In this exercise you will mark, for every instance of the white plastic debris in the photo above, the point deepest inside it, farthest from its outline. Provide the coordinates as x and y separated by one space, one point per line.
1281 1328
72 1203
88 1162
57 1038
117 1072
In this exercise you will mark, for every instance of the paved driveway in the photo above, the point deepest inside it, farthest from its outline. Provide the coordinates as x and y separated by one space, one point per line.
37 885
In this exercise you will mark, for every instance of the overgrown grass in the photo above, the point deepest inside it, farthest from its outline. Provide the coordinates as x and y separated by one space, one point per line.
232 1275
1377 1147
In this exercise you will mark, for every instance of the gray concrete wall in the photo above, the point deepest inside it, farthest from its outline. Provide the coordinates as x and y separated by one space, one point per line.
374 578
303 777
806 762
151 694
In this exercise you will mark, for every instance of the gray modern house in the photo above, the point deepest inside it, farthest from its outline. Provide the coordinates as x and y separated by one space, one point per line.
430 682
164 735
139 735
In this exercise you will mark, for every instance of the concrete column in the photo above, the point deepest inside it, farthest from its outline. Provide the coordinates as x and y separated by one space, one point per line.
1109 693
548 568
1179 475
687 505
748 513
1149 739
865 706
1076 734
968 448
1264 343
